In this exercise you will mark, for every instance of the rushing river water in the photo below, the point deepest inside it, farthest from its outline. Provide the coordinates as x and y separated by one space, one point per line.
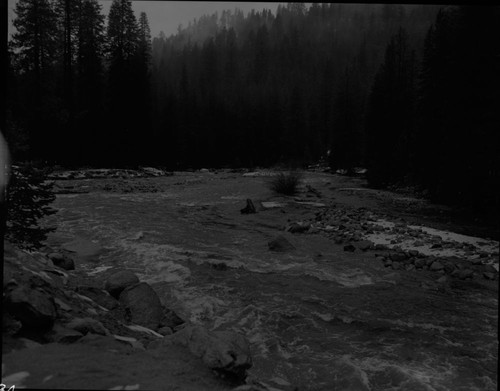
318 318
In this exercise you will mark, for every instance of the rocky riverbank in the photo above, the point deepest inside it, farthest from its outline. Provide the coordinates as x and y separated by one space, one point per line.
63 329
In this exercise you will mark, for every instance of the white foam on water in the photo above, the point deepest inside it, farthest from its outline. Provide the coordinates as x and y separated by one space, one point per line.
238 198
168 271
358 374
98 269
349 279
272 204
280 381
229 262
260 173
412 375
199 305
326 317
311 203
152 251
426 326
354 189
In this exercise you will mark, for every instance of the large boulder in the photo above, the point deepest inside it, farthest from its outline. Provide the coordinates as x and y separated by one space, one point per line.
118 281
250 208
142 306
226 352
33 307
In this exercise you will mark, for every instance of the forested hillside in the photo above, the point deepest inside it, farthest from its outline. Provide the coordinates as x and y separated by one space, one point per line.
410 92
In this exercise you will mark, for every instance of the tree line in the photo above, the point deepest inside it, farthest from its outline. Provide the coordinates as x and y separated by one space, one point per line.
78 87
410 92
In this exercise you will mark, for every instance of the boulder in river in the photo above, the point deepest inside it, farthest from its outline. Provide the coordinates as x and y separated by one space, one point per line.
142 306
296 228
33 307
280 244
349 247
62 261
226 352
249 209
364 245
117 282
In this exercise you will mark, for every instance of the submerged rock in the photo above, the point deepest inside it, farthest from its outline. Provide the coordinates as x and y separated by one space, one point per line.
142 305
280 244
296 228
117 282
249 209
226 352
349 247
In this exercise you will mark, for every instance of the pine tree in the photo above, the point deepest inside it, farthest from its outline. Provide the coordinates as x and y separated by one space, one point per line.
89 50
34 48
35 40
122 46
390 116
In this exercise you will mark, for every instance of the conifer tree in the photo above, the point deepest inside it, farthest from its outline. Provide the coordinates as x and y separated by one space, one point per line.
34 48
390 116
122 46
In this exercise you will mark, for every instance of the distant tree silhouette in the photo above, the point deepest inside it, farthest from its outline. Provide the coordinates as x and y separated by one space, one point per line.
458 141
34 48
390 115
123 46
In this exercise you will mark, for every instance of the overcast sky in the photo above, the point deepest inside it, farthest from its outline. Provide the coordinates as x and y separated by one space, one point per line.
167 15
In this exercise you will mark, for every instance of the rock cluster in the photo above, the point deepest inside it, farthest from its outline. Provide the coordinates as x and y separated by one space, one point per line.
455 267
280 244
349 226
225 352
43 304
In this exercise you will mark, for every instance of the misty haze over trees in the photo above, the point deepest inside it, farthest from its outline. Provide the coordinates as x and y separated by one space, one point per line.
410 92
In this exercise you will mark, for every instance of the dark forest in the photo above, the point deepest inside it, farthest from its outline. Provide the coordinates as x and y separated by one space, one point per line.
411 92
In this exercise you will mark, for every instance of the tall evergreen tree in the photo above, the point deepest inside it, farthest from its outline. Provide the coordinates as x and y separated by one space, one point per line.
90 46
34 47
35 39
123 44
390 116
